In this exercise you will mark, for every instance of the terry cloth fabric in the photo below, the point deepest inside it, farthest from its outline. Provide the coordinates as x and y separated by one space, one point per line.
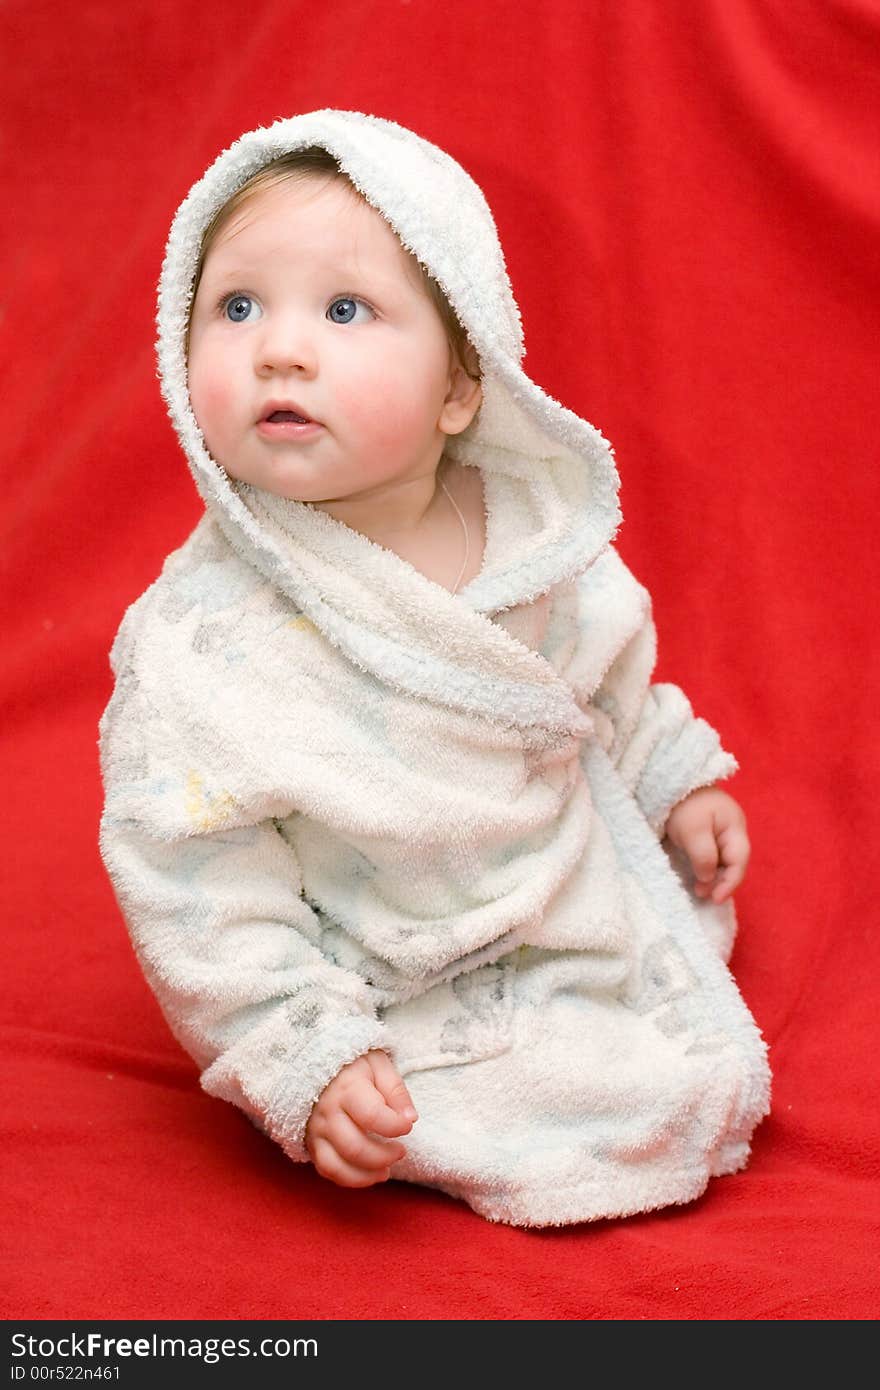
346 809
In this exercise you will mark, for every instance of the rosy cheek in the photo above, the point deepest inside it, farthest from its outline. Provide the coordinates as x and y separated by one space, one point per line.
388 414
210 398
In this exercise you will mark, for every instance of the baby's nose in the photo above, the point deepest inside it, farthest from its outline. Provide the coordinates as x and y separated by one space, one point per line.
286 346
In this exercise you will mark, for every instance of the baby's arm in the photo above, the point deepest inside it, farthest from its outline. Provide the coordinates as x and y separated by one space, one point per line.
660 748
230 948
212 890
365 1099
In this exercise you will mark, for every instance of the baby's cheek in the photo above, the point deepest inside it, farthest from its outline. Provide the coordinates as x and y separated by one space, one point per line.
391 416
207 388
210 398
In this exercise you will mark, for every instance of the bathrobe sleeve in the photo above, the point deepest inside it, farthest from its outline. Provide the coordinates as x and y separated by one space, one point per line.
211 893
660 748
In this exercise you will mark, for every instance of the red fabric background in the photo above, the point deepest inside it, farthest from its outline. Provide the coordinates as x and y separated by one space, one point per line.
688 198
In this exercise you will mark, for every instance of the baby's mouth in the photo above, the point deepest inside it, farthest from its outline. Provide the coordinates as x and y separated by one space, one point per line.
286 423
278 416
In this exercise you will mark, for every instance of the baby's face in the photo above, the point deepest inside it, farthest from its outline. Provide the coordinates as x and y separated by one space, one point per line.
308 303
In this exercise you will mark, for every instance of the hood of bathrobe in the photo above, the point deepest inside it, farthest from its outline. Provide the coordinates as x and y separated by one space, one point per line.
550 480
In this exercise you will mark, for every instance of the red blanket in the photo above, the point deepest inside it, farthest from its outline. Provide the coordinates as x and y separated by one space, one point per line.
688 200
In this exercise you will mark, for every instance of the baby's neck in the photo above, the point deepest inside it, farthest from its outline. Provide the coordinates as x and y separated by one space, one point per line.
448 545
397 512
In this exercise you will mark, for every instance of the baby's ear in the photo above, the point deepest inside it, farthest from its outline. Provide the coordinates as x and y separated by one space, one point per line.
462 401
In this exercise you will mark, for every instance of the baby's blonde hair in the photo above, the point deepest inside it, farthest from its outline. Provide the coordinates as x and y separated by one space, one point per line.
315 162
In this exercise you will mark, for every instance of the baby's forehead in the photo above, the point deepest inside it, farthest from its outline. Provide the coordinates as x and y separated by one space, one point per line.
315 219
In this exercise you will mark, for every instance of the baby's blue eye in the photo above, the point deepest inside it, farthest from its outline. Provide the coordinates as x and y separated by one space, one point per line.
343 310
239 308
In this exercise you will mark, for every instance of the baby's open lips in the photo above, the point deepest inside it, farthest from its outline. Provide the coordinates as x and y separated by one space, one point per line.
279 412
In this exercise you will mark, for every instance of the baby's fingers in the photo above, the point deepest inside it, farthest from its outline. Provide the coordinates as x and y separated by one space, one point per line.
718 888
370 1112
332 1165
735 850
702 851
389 1082
356 1147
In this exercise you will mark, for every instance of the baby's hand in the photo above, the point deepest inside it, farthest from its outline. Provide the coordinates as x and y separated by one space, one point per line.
365 1099
711 829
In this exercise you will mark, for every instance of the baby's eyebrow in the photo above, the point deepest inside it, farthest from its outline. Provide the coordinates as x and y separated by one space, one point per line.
381 291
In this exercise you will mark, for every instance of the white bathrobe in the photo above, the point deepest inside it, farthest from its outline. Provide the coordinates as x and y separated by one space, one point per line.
346 809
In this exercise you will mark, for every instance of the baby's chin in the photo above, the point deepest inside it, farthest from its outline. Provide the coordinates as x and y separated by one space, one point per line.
291 492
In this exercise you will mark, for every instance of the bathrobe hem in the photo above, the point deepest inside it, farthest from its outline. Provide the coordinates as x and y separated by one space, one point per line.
559 1204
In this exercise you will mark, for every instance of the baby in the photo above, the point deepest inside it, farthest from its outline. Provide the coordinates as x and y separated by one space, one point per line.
406 840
